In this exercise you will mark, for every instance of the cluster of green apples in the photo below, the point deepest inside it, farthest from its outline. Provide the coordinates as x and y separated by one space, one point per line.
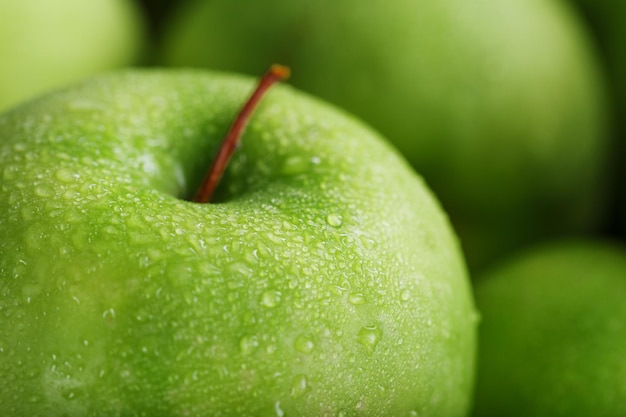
424 220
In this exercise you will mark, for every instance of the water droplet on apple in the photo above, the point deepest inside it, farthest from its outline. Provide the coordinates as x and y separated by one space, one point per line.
262 250
66 176
242 269
248 344
369 337
10 172
43 192
70 195
299 386
304 344
275 239
34 399
356 298
295 165
279 411
367 243
69 395
334 220
271 298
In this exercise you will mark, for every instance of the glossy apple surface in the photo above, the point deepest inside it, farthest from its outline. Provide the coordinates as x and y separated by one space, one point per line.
498 104
553 333
324 281
47 44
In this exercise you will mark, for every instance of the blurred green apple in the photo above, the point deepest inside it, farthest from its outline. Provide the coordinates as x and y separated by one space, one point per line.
499 104
45 44
607 18
324 281
553 333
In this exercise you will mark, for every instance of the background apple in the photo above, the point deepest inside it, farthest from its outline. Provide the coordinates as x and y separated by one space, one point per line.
553 333
500 105
45 44
606 18
325 280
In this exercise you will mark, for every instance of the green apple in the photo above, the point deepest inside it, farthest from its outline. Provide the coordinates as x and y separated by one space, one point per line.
553 333
607 18
45 44
325 279
498 104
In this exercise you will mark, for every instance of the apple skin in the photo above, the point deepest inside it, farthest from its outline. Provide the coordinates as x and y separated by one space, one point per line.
498 104
325 280
553 332
47 44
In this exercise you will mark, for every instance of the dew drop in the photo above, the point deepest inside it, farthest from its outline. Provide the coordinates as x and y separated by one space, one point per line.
271 298
42 192
263 250
248 344
334 220
368 243
10 173
369 337
240 268
70 394
66 176
35 399
70 195
299 386
295 165
406 295
356 298
279 411
20 147
275 239
108 314
304 344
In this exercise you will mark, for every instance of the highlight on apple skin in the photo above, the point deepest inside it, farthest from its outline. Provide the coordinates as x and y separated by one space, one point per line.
323 280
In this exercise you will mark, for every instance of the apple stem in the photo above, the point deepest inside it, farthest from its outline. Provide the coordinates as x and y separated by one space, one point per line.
231 140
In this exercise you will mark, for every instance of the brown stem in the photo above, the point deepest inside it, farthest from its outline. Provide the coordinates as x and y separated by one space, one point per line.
229 144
